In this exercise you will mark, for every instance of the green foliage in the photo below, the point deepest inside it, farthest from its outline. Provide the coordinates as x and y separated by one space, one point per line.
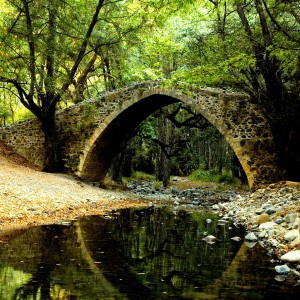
138 175
211 175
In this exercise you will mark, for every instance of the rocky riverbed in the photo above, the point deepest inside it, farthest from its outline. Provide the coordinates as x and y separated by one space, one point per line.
271 215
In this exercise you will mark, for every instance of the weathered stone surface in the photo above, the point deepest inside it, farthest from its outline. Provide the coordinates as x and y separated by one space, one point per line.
292 256
291 235
91 132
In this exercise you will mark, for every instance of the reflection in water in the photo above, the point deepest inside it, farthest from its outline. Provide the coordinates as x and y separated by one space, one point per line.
137 254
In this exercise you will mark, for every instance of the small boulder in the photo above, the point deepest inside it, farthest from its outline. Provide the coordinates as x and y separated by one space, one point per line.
263 218
296 223
282 269
215 207
210 239
290 218
295 242
267 225
270 211
292 256
291 235
251 237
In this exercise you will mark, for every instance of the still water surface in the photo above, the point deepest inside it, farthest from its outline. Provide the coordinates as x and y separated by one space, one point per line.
152 253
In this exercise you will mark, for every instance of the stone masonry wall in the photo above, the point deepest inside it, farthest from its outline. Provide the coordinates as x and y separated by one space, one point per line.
82 126
27 139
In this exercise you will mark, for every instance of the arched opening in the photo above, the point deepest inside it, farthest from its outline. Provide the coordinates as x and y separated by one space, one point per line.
99 157
108 141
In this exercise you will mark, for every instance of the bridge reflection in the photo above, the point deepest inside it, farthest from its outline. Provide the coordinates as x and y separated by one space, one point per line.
134 254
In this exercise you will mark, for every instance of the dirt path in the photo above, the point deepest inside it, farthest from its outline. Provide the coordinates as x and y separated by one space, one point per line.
31 197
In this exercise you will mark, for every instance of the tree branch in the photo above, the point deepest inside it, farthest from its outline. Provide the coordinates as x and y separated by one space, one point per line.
279 27
31 44
82 50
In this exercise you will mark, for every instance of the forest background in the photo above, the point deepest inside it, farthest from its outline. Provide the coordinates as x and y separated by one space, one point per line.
54 53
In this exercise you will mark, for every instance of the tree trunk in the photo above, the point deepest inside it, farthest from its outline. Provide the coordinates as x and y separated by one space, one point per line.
116 168
52 161
163 162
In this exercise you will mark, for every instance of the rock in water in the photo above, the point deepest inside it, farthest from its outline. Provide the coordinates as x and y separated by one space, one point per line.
251 237
209 239
292 256
283 269
236 238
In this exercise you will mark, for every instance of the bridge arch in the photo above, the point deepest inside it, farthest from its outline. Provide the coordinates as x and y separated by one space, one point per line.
91 132
240 122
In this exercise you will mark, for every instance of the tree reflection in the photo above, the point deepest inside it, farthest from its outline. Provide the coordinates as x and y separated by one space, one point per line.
161 251
40 283
152 253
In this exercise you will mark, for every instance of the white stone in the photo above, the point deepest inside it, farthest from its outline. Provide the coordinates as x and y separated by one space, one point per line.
291 235
267 225
290 218
236 238
274 243
230 213
215 206
296 223
292 256
209 239
238 197
283 269
251 237
295 242
262 234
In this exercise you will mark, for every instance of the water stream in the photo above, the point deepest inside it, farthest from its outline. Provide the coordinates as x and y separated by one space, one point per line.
151 253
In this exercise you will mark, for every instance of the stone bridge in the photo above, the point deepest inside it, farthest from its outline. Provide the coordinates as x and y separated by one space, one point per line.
91 132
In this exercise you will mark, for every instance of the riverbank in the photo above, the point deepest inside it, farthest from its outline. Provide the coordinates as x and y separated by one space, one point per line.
271 217
29 197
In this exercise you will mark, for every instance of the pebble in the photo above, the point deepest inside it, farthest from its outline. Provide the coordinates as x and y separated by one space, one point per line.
267 225
295 242
292 256
263 218
251 237
215 207
236 238
279 221
282 269
270 211
291 235
210 239
296 223
290 218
